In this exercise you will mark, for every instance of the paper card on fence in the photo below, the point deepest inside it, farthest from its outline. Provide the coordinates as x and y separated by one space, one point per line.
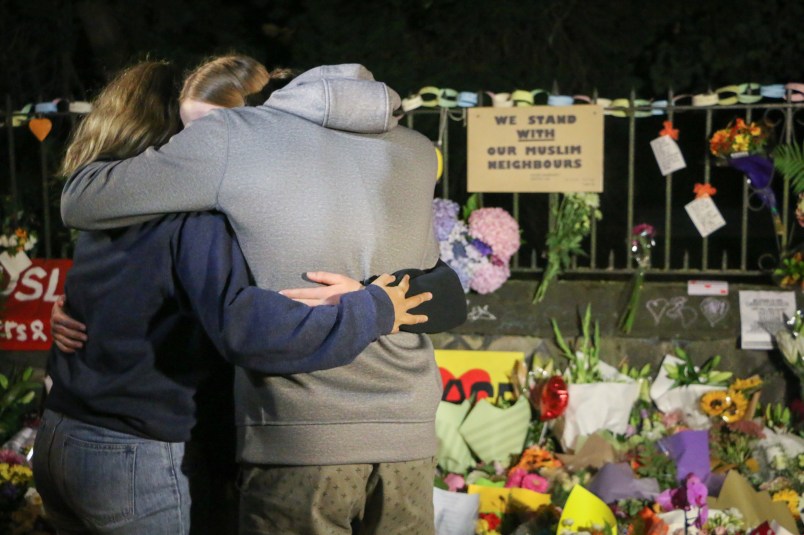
698 287
455 512
705 216
762 314
667 154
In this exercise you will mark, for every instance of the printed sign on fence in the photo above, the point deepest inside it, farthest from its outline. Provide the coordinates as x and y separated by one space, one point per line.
28 299
535 149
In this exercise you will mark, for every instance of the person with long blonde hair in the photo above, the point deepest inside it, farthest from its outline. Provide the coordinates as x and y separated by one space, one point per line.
162 301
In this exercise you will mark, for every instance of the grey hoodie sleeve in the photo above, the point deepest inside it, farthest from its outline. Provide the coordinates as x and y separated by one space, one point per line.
182 176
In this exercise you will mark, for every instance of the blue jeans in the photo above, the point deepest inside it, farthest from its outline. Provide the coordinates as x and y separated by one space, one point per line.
95 480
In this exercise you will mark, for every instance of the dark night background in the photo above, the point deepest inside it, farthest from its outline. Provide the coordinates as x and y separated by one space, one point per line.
52 49
66 48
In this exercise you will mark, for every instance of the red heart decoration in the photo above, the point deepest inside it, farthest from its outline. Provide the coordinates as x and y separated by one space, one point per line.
467 380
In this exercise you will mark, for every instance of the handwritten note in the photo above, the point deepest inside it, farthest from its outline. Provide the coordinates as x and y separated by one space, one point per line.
705 215
762 313
667 154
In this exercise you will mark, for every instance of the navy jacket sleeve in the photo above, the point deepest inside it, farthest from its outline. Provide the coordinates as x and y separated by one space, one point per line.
262 330
447 309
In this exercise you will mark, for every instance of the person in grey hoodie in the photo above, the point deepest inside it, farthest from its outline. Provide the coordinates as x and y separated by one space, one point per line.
319 176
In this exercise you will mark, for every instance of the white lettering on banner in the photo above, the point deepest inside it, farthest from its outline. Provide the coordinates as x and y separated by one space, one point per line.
32 279
19 331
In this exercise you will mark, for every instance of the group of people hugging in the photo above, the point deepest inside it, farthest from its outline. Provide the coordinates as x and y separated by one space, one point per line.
243 344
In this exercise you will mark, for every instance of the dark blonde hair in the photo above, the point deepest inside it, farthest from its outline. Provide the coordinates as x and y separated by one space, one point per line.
136 110
233 80
225 81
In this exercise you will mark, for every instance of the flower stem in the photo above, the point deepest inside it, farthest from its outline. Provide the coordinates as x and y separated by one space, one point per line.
627 320
550 273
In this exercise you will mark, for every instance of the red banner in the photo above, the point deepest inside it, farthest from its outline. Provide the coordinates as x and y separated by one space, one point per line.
28 299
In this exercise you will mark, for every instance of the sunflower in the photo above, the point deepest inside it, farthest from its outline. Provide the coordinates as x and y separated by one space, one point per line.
736 409
715 402
790 499
747 384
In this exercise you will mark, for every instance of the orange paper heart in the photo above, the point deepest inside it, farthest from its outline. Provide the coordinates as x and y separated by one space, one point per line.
40 128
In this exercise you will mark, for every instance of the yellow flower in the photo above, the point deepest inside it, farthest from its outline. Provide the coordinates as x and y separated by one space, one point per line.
714 403
790 499
753 465
747 384
736 409
741 142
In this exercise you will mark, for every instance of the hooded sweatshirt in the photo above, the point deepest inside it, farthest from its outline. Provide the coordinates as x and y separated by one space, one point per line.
319 177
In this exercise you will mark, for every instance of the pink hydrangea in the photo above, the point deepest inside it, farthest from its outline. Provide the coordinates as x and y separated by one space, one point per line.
489 276
497 229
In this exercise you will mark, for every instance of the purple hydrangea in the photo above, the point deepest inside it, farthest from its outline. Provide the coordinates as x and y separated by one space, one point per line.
445 215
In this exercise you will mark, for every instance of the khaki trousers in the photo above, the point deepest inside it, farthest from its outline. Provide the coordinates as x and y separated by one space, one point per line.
360 499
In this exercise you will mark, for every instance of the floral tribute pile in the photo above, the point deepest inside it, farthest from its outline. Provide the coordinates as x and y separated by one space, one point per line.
683 449
479 246
20 505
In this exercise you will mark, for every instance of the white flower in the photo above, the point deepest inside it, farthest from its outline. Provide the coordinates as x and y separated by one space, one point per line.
791 347
12 241
3 240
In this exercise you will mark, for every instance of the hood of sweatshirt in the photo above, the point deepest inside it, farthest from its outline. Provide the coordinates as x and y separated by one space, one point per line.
342 97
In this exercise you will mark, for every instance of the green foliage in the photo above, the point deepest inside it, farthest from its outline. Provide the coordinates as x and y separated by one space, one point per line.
777 417
732 445
572 221
650 461
17 391
584 355
472 204
687 373
788 159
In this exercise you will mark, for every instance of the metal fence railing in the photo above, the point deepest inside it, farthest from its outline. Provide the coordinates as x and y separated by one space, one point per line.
635 192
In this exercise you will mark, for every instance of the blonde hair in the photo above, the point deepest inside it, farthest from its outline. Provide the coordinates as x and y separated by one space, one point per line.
136 110
225 81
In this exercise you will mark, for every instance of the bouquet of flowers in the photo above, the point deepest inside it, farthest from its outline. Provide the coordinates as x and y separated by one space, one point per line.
478 247
790 341
572 218
739 139
17 235
16 478
744 147
599 396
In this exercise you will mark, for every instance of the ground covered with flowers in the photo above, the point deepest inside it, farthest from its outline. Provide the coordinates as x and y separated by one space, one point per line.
677 448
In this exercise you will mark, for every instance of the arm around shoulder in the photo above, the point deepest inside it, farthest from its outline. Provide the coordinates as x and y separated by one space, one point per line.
182 176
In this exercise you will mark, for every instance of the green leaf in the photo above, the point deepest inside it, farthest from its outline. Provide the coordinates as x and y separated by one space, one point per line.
471 205
788 159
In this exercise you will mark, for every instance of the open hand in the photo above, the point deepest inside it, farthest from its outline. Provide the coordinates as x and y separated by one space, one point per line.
401 303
